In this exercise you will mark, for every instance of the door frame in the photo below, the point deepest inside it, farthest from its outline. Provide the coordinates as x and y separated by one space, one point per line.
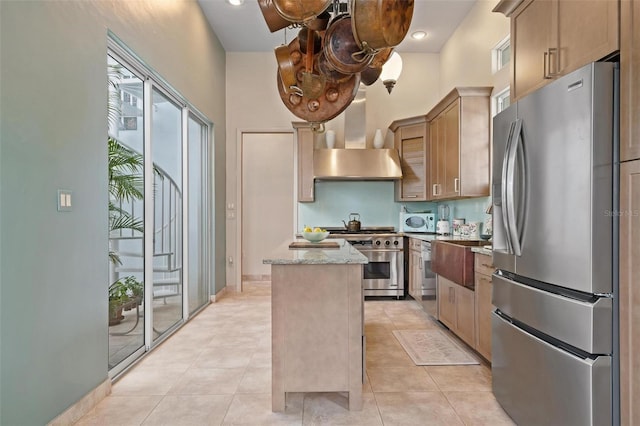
239 186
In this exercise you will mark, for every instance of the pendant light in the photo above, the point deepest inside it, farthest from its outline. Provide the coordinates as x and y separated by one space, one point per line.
391 71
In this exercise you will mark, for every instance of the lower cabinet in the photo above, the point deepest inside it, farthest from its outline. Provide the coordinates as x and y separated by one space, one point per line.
415 269
483 286
456 309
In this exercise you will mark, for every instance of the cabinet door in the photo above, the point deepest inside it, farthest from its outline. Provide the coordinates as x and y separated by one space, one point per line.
466 315
629 80
414 274
451 155
412 149
305 163
533 33
483 314
587 32
436 134
629 293
447 302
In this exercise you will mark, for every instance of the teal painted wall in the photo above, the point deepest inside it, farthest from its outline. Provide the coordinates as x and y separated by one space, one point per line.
53 130
374 200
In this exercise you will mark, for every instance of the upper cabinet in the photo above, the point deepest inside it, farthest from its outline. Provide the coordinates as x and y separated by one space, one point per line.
410 139
551 38
304 136
459 144
629 80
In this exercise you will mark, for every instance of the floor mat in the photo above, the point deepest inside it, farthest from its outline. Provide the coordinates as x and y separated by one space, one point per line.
434 347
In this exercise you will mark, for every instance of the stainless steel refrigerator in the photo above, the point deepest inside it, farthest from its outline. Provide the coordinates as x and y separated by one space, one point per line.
554 190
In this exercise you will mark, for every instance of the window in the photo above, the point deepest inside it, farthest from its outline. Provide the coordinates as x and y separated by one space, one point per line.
501 54
502 100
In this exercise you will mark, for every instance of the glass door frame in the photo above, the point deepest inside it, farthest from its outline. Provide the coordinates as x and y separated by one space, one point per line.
151 80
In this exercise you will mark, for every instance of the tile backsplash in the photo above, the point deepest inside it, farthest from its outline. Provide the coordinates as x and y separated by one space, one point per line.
374 201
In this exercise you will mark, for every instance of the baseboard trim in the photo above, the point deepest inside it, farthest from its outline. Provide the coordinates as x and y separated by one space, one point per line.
219 295
72 414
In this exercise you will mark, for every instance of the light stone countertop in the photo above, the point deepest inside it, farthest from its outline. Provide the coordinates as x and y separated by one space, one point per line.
482 250
345 254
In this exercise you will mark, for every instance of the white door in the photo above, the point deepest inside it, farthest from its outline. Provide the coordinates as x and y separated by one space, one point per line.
267 199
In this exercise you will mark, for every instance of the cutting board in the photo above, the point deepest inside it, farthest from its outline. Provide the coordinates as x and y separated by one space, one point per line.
307 244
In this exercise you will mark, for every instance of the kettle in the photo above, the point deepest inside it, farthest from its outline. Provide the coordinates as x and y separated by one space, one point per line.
354 222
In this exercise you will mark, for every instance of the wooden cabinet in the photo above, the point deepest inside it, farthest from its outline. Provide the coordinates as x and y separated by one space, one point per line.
550 38
629 80
456 309
410 139
459 144
483 286
305 141
415 269
629 293
532 41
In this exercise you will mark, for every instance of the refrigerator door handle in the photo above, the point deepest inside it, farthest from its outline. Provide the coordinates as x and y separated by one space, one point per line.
512 223
504 192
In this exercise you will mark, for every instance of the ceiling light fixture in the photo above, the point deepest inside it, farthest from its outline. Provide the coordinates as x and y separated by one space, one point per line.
235 2
418 35
391 71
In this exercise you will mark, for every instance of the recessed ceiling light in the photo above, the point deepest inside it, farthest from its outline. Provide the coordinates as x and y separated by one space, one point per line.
418 35
235 2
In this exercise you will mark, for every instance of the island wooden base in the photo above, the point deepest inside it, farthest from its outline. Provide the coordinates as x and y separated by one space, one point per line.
317 319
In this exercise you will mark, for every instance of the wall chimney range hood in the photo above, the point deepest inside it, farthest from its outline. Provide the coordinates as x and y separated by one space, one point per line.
356 164
355 161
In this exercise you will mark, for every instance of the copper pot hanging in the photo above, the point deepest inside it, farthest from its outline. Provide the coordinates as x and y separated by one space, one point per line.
341 49
300 10
380 23
371 74
274 20
334 99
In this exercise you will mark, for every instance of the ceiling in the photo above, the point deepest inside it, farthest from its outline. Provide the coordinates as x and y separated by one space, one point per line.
243 28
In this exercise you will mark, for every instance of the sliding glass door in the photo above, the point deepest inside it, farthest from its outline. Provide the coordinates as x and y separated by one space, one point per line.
159 210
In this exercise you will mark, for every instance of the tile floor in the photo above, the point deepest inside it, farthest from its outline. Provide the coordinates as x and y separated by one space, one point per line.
216 370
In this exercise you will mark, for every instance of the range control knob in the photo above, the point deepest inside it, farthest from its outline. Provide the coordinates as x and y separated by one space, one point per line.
386 243
395 243
378 242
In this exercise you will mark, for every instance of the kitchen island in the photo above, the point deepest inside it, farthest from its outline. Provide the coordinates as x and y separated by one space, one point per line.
317 321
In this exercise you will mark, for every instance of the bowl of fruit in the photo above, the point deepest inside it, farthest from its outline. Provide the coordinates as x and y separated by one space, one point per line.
314 235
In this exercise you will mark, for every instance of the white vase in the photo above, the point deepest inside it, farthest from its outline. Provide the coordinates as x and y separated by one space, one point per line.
378 140
330 138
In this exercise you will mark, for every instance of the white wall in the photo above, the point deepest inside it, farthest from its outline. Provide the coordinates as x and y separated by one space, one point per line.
53 132
465 59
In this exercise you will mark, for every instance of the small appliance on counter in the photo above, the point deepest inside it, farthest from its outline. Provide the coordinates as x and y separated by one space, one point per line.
417 222
442 227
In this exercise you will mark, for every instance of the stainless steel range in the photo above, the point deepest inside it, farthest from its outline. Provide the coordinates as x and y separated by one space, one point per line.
384 274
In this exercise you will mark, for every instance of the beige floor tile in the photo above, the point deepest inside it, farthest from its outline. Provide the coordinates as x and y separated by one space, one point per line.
224 357
255 409
478 409
400 379
208 381
416 408
386 357
147 381
461 377
189 410
261 357
332 409
256 380
120 410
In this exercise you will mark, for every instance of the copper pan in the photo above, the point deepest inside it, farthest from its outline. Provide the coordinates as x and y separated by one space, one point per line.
341 49
370 74
300 10
324 67
380 23
302 38
274 20
334 100
287 69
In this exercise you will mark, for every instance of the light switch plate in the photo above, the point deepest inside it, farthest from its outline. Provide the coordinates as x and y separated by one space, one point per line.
64 200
